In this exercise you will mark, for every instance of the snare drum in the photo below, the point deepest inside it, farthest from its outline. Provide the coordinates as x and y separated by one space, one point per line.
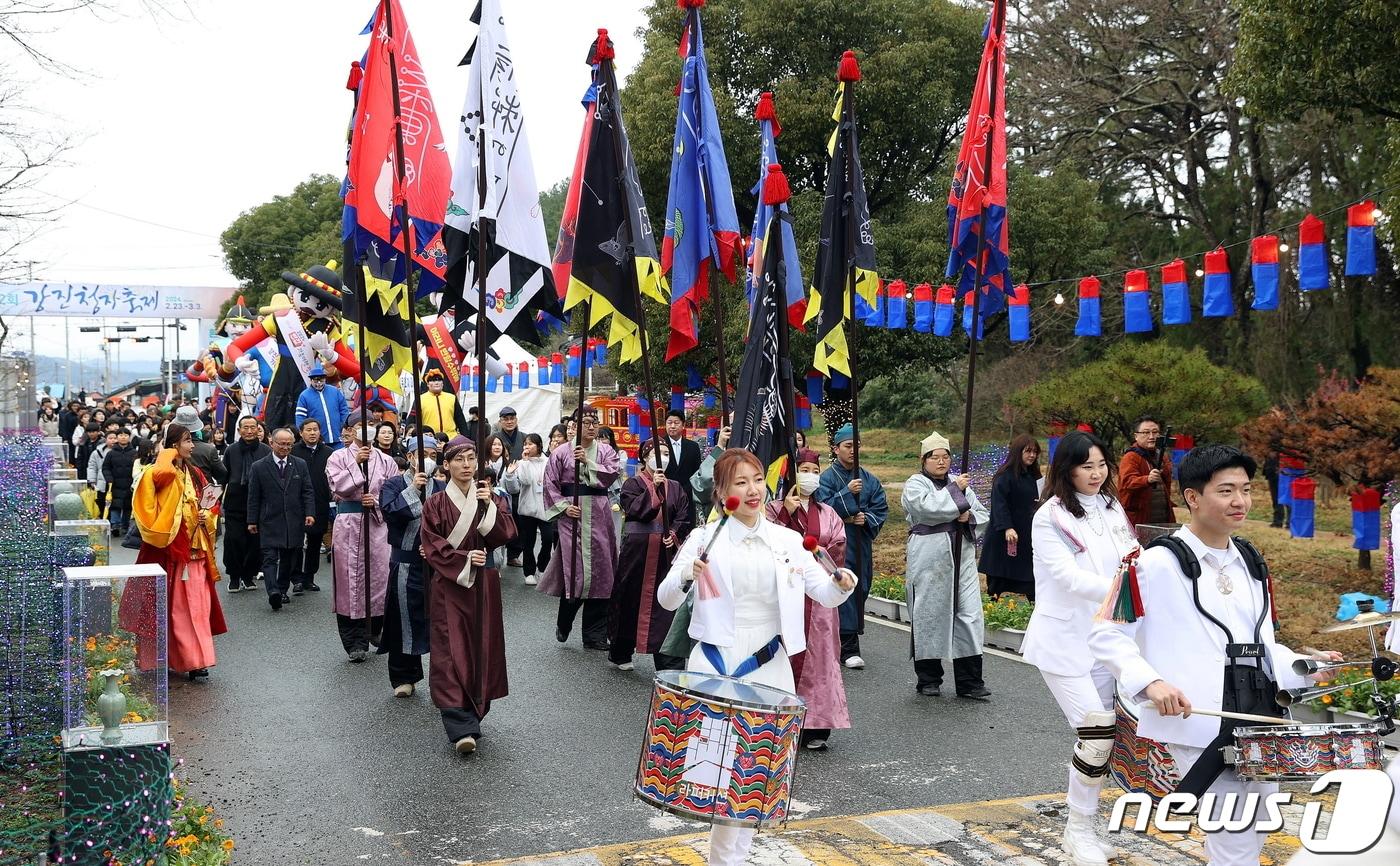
720 749
1301 752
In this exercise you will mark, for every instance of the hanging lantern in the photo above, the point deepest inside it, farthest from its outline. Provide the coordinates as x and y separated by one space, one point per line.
1300 518
943 312
556 368
803 409
814 388
1314 271
1176 294
896 305
967 299
523 375
1217 302
1264 269
677 398
923 308
1018 314
1366 519
871 315
1184 443
508 380
1090 323
1137 303
1361 240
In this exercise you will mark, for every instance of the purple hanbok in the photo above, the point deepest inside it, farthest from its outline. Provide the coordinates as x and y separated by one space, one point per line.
585 561
347 486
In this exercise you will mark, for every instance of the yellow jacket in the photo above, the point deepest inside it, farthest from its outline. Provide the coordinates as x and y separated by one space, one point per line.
439 413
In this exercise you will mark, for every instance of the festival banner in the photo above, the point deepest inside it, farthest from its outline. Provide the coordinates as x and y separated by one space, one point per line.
102 300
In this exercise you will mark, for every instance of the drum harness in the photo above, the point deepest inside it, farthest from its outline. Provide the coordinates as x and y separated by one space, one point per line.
1247 688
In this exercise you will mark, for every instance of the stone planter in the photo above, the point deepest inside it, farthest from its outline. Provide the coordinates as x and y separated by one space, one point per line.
886 608
1005 638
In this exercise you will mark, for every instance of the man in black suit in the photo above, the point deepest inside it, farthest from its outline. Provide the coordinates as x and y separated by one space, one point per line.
315 452
280 509
241 556
685 453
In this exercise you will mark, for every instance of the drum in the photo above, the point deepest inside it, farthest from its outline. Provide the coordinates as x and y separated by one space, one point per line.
1139 764
720 749
1302 752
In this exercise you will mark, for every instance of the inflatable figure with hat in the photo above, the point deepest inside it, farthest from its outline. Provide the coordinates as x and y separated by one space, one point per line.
243 397
306 330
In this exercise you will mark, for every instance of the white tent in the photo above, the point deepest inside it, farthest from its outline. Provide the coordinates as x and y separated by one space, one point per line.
538 407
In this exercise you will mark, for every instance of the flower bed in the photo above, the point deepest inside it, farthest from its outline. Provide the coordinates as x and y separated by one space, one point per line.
1355 700
196 836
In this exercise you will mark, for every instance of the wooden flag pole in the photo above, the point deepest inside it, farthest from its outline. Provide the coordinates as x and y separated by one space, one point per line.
482 425
778 301
848 121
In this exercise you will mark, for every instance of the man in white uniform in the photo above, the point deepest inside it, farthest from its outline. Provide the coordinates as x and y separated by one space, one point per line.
1203 638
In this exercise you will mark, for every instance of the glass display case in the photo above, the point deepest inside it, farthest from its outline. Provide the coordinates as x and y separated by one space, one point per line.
81 543
63 473
66 500
115 655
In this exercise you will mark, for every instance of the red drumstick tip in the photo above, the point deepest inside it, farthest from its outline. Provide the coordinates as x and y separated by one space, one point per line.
809 542
731 504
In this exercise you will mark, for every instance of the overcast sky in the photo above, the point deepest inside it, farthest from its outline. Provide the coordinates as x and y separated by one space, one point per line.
181 124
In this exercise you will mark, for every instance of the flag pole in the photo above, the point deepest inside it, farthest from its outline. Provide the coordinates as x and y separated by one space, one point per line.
354 281
848 121
405 229
721 361
482 425
778 299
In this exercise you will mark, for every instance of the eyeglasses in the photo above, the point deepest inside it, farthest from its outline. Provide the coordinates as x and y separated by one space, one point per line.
1149 432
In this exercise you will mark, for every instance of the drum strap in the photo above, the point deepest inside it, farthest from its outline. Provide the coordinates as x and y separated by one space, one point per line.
760 658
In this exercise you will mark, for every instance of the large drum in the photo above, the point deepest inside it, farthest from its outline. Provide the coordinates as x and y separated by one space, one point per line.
1302 752
720 749
1139 764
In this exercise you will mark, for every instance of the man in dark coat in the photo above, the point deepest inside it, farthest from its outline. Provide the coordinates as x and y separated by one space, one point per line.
116 471
242 558
685 453
280 508
67 423
313 449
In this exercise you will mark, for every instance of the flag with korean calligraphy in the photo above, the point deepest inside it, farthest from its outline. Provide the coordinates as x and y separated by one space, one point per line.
977 218
846 244
702 227
1018 314
1137 303
1090 321
1313 266
372 187
1217 300
1361 240
495 199
615 261
1264 272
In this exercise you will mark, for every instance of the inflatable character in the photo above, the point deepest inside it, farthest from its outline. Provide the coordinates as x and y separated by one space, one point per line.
305 333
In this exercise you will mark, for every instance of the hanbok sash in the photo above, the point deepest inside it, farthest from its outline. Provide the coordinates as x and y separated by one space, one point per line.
298 343
467 513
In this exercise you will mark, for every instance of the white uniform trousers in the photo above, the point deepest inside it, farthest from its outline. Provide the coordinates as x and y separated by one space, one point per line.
1078 696
1227 849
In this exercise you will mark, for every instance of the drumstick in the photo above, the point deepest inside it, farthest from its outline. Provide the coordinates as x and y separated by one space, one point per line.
1222 714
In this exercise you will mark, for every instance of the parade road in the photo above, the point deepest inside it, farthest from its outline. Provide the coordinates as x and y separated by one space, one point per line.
311 760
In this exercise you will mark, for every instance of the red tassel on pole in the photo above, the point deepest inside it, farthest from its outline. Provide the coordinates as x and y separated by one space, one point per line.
602 49
689 4
849 70
775 186
356 73
765 111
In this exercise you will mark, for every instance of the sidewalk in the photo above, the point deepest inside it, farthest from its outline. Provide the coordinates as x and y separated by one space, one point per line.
1024 831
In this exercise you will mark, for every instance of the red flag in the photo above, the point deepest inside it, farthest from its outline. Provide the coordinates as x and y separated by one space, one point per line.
373 186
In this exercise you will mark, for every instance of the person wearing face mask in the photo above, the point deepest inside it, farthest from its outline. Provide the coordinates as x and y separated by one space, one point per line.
406 604
1079 537
818 670
944 594
636 622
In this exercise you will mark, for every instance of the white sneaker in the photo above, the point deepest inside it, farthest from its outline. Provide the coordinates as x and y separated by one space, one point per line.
530 580
625 666
855 663
404 691
466 745
1080 843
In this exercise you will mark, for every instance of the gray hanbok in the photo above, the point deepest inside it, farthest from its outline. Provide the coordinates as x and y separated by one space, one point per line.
946 609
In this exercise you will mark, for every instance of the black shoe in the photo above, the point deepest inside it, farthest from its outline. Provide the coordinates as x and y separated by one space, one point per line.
235 585
250 583
197 674
310 587
561 635
931 690
513 563
603 647
979 693
275 600
297 589
286 599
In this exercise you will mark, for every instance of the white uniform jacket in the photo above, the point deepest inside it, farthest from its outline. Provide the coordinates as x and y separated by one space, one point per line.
798 575
1173 642
1069 587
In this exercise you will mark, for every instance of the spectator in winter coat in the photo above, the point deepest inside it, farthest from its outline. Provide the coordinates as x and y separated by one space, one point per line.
326 406
116 471
94 469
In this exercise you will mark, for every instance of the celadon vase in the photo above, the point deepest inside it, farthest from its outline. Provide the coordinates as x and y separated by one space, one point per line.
111 708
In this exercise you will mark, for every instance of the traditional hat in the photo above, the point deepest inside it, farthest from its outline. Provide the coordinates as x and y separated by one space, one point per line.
278 303
237 314
844 432
356 418
807 455
458 444
933 442
319 281
429 444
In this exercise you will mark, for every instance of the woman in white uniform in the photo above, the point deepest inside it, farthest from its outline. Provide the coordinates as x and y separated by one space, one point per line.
1079 538
749 598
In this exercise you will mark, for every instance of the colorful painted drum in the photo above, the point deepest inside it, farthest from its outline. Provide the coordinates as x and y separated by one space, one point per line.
1301 752
1137 763
720 749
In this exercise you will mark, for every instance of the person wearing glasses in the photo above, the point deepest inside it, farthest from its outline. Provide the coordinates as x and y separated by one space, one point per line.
1145 476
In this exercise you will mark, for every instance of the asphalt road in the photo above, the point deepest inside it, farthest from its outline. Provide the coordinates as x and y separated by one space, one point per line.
311 760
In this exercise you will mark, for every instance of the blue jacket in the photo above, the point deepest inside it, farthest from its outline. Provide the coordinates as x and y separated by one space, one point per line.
327 406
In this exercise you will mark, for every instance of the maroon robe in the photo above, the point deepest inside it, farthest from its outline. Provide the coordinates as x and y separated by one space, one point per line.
467 667
635 618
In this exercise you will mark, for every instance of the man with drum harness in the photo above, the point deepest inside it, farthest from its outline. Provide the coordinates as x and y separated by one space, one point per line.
1190 630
